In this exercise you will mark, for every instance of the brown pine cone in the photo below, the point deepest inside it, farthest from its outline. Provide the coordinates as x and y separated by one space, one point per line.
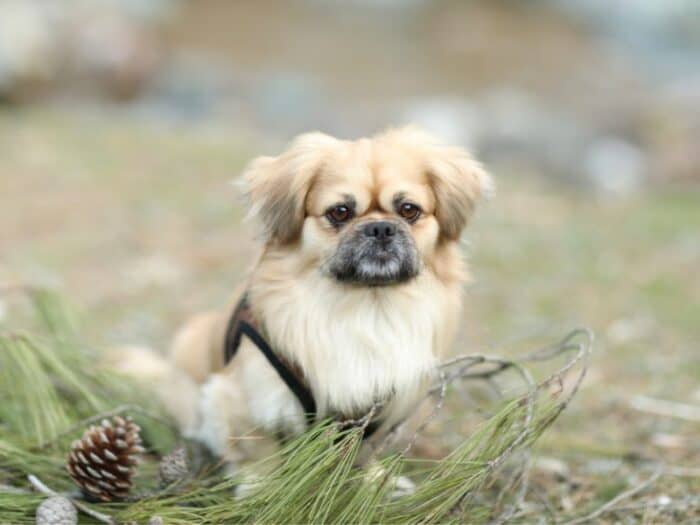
102 462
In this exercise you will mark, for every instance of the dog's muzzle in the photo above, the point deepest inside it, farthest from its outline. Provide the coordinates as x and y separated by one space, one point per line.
376 253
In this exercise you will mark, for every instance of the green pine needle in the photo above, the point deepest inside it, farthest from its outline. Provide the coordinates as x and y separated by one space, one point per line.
51 387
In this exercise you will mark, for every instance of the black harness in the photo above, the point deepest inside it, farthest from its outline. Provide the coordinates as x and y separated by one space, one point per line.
243 322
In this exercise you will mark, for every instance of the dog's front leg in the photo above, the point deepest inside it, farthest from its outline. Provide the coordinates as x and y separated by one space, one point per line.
219 402
224 428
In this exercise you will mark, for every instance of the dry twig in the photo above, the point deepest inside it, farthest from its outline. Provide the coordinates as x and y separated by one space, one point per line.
464 367
610 505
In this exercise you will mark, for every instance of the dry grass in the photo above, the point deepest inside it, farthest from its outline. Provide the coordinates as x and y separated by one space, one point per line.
139 226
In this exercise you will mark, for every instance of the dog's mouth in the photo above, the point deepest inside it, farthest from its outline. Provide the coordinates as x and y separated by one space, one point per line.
369 262
378 269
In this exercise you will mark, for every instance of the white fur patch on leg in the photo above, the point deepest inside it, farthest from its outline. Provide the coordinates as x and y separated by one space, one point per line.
216 399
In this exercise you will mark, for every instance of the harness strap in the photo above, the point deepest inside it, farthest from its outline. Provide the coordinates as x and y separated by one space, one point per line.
243 322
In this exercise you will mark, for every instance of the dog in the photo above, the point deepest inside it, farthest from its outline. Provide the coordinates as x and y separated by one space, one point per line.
353 300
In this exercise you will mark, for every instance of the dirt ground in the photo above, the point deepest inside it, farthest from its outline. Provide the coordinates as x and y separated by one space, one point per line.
139 226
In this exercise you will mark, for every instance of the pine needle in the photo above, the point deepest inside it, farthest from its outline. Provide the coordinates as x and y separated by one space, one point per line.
51 389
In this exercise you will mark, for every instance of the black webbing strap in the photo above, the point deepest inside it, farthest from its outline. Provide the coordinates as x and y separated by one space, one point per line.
242 323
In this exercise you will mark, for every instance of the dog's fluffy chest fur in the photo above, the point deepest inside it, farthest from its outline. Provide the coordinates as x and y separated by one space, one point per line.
358 346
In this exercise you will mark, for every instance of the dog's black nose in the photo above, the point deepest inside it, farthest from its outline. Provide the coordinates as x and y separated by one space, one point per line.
380 230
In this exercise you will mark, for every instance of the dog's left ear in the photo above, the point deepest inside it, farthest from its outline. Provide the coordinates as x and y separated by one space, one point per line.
458 182
277 186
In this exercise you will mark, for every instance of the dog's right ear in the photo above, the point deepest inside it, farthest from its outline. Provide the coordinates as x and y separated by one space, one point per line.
277 186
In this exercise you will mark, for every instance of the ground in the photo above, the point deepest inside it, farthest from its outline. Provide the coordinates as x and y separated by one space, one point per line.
139 226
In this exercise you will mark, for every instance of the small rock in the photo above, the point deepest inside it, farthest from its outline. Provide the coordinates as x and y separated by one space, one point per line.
519 129
553 466
119 53
30 53
623 331
663 500
56 510
567 503
453 120
156 520
616 167
603 466
402 486
670 441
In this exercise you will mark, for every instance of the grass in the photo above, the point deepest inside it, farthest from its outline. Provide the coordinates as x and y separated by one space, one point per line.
136 223
53 386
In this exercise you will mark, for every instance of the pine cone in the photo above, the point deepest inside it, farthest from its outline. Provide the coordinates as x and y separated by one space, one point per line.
103 460
56 510
174 466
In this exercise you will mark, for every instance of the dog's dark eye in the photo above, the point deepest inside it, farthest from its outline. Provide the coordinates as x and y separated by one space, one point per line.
409 211
339 214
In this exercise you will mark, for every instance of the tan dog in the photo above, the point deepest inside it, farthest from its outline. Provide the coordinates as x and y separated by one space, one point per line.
357 291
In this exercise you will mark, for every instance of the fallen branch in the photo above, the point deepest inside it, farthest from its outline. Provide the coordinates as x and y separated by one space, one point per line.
464 365
442 392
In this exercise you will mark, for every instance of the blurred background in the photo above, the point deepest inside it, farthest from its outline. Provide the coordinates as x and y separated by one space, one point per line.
122 123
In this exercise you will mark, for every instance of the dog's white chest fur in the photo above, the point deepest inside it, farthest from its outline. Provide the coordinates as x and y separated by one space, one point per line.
359 346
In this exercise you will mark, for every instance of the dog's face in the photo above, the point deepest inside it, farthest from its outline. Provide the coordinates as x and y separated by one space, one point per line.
372 212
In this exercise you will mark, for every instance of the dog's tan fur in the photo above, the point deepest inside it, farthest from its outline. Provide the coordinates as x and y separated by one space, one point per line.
355 344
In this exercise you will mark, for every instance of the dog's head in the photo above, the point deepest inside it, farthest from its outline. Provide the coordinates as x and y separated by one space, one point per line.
368 212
